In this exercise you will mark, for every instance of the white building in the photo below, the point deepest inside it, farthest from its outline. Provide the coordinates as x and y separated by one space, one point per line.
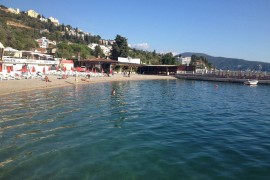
43 19
129 60
14 11
44 42
32 13
54 21
185 60
67 64
33 61
106 49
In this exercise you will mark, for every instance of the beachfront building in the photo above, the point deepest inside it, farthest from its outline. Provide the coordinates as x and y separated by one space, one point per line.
166 69
32 13
129 60
127 65
14 60
157 69
184 69
97 64
67 65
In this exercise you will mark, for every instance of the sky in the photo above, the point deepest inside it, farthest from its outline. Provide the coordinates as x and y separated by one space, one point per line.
226 28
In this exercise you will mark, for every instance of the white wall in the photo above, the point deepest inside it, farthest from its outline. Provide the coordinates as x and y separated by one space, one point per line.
129 60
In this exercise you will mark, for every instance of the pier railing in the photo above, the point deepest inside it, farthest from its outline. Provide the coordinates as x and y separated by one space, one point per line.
226 76
259 75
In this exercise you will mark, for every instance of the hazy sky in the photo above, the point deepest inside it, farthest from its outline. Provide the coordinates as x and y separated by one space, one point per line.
228 28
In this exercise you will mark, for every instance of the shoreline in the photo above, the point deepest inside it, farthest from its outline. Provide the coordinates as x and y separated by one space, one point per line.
8 87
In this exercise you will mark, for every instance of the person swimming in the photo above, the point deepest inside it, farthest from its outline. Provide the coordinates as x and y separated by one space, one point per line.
113 91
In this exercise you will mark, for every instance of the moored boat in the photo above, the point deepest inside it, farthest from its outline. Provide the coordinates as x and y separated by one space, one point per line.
251 82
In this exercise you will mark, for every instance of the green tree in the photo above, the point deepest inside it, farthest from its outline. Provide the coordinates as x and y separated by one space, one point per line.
168 59
193 60
115 51
119 48
98 52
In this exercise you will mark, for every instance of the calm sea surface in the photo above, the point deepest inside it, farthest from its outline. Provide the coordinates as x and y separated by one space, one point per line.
162 129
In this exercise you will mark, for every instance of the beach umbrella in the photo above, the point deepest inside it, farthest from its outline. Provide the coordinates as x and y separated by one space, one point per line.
33 69
44 71
94 70
24 69
111 71
102 70
0 68
65 69
8 69
79 69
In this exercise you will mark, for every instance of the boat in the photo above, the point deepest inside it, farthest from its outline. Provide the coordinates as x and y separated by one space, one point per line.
251 82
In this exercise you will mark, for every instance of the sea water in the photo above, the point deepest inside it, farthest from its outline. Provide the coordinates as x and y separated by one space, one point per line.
161 129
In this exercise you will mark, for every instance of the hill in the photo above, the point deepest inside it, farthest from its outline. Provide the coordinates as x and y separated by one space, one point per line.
232 63
20 31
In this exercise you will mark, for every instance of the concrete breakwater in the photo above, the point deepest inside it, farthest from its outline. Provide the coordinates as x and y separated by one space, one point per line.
207 77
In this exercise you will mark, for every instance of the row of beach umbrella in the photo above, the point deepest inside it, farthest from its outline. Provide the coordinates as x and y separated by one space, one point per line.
33 69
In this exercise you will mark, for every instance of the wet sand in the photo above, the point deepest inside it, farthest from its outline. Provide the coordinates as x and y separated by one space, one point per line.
16 86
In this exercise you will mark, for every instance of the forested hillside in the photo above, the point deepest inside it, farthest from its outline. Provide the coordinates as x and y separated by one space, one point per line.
232 63
21 31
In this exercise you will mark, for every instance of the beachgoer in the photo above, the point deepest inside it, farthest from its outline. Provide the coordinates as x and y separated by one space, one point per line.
113 91
39 74
64 76
47 79
83 79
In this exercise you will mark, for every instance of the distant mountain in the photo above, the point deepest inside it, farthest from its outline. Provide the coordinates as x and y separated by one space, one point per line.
232 63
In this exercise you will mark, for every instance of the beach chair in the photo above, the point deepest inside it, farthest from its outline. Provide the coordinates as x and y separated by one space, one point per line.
10 77
3 77
17 76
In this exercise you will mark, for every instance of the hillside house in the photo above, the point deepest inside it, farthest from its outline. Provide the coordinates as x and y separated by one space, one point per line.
14 11
32 13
